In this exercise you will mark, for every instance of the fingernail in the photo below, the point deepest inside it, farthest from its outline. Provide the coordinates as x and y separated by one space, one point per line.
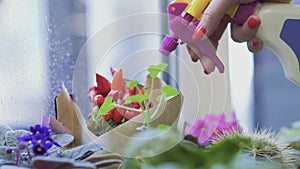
206 72
254 43
253 22
194 59
199 33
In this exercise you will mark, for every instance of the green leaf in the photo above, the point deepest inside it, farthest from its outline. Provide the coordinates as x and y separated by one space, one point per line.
136 98
132 84
62 139
3 129
81 152
7 158
107 106
154 70
163 127
11 137
169 91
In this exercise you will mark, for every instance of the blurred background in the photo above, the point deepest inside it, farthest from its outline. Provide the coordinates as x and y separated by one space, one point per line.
46 43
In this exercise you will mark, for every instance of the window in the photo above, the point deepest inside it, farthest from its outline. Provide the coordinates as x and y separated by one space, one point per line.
38 52
43 42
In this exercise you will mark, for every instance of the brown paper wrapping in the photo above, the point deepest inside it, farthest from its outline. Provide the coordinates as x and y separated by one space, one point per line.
70 115
115 140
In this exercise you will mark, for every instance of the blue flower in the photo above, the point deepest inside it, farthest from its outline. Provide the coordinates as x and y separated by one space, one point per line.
40 138
25 138
38 129
40 149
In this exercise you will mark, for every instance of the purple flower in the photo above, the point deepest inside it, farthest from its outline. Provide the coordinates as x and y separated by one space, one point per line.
40 149
21 146
25 138
212 126
9 150
38 129
42 144
40 138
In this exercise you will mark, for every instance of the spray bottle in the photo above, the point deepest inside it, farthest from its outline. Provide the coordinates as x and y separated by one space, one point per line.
279 22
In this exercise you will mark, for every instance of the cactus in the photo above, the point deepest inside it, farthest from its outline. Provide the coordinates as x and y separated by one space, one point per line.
264 148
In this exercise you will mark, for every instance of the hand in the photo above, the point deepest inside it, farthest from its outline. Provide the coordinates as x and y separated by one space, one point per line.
213 25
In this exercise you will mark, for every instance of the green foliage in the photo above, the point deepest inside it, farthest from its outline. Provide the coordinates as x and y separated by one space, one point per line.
12 144
100 125
186 154
80 152
296 145
292 137
142 99
107 106
155 70
163 127
62 139
293 132
168 91
3 129
265 149
132 84
136 98
230 152
223 149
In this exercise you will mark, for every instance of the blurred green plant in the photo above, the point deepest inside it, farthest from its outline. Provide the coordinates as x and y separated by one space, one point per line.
232 151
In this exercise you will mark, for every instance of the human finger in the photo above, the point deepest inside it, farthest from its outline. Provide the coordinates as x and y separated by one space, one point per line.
192 54
247 31
255 45
212 16
207 64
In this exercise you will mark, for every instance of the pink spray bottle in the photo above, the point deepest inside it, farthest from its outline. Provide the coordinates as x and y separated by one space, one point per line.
279 30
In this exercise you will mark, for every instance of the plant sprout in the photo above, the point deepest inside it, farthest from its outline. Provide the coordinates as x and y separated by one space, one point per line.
143 97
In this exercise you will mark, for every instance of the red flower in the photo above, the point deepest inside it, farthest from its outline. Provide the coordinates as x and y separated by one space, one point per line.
117 117
109 115
102 87
119 92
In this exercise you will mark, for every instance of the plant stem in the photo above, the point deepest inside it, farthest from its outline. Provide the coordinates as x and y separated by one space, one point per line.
146 113
29 154
147 116
129 108
17 156
138 89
